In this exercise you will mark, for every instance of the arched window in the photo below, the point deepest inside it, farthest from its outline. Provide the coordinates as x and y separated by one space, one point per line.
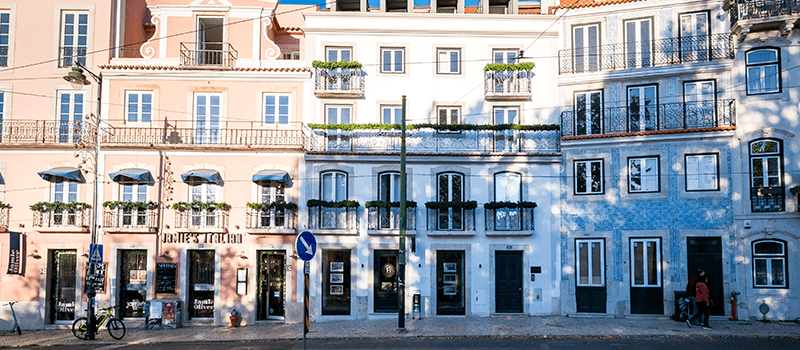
389 187
766 176
507 187
769 264
763 71
333 186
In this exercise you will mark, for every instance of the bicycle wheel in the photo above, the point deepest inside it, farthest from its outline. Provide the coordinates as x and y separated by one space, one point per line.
79 328
116 328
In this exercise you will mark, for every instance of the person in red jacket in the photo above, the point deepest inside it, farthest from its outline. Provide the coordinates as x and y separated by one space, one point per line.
703 301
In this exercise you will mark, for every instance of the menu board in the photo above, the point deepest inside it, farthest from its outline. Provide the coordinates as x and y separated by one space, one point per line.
166 278
98 280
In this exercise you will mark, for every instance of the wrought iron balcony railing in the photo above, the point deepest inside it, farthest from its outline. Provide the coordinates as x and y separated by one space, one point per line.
507 85
761 9
69 54
665 116
20 132
196 218
129 218
201 54
768 199
383 218
643 54
509 219
4 215
339 82
169 136
271 219
430 141
66 218
451 219
129 52
332 218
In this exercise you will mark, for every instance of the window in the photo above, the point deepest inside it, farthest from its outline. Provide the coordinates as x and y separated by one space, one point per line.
336 54
448 61
590 263
769 264
5 37
766 176
207 114
392 60
389 187
74 38
645 262
334 186
140 106
450 189
702 172
589 176
507 187
506 115
694 37
450 115
65 191
643 174
638 36
276 109
763 71
391 114
338 114
642 108
700 98
585 41
504 56
133 193
70 114
272 192
588 113
205 192
2 112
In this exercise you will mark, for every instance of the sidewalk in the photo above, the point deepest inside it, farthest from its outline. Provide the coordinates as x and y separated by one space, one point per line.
549 326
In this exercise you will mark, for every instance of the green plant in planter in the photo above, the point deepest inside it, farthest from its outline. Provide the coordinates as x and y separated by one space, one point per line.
4 205
129 205
184 206
452 127
498 67
334 65
500 205
52 206
326 204
387 205
469 205
268 206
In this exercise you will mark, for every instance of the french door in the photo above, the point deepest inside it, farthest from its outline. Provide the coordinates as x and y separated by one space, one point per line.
642 108
207 115
590 267
647 293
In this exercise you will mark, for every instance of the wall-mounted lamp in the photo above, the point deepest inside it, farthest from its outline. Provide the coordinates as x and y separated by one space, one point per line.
237 226
85 255
165 256
21 225
35 254
167 226
241 255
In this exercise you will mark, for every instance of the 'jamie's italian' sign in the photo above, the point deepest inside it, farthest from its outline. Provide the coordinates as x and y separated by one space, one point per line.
203 238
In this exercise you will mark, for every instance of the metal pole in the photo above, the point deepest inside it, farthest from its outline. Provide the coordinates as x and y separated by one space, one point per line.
91 293
305 303
401 271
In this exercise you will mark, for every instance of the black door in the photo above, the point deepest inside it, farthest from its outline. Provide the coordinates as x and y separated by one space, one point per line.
62 285
590 283
271 281
706 253
450 282
336 282
508 278
385 281
201 284
132 285
647 293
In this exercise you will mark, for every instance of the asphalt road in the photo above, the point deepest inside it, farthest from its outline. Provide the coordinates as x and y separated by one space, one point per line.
576 343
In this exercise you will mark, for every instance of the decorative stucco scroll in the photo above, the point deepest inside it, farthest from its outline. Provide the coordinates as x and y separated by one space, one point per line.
147 51
273 51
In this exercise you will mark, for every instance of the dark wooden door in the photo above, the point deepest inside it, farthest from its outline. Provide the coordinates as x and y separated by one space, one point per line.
201 284
647 292
706 253
508 279
385 281
132 285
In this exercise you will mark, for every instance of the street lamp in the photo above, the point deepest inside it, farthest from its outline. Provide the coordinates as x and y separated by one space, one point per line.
77 79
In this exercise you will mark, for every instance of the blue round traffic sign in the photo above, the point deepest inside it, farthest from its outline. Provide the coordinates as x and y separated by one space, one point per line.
305 245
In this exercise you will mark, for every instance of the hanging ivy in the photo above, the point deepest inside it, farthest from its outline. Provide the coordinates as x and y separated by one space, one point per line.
268 206
184 206
129 205
508 66
54 206
499 205
448 127
334 65
387 205
326 204
470 205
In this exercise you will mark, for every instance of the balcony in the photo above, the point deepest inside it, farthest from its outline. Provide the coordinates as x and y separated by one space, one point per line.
129 220
451 218
431 141
273 138
334 219
75 220
389 218
39 132
510 85
272 220
658 119
339 82
210 220
67 55
5 211
509 221
767 199
208 55
760 15
645 54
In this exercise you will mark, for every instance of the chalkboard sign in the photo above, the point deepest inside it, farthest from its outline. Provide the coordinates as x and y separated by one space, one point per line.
98 280
166 277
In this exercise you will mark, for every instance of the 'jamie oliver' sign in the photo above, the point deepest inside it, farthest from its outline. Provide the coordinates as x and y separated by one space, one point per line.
203 238
16 254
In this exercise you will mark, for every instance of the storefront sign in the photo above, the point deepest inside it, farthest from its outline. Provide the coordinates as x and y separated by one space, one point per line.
204 304
166 278
68 307
16 254
202 238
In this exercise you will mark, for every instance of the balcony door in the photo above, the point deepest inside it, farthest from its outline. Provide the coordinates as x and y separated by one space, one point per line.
588 113
642 108
210 36
695 39
70 116
451 189
638 43
700 107
585 45
207 108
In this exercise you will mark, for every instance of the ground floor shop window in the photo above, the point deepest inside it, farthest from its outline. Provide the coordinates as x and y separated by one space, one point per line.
450 282
62 279
132 283
201 284
336 282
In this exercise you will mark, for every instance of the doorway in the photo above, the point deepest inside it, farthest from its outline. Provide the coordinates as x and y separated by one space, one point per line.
201 284
385 281
706 253
132 283
647 292
450 282
508 279
210 36
590 283
62 277
271 284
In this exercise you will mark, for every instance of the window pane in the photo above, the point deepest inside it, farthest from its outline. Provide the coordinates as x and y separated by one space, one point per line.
454 62
597 266
583 263
387 115
385 190
638 264
652 263
762 56
387 61
777 272
341 187
597 177
444 188
768 248
345 119
761 271
333 117
580 177
398 61
457 189
327 186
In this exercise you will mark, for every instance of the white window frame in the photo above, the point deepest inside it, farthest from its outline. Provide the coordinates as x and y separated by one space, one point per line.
65 189
140 107
339 108
768 259
586 53
693 47
505 115
587 114
765 157
203 192
696 180
700 98
5 37
644 109
272 192
395 114
647 259
279 110
394 186
339 183
758 85
446 62
509 184
639 51
504 55
136 192
338 50
211 133
76 37
392 62
74 113
448 117
587 163
590 263
648 182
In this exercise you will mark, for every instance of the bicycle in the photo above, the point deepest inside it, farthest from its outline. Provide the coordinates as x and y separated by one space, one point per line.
104 317
16 324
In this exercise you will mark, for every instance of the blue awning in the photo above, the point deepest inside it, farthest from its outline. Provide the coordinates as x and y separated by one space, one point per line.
202 176
276 175
63 173
133 175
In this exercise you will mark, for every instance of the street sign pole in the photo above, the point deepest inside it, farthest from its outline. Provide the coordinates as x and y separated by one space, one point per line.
401 271
305 303
306 248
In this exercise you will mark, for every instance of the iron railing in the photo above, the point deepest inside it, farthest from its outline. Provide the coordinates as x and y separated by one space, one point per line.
4 215
509 219
383 218
271 219
761 9
664 116
4 56
768 199
339 80
196 218
44 132
642 54
69 54
431 141
129 218
507 83
129 52
67 218
146 136
332 218
451 219
197 54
